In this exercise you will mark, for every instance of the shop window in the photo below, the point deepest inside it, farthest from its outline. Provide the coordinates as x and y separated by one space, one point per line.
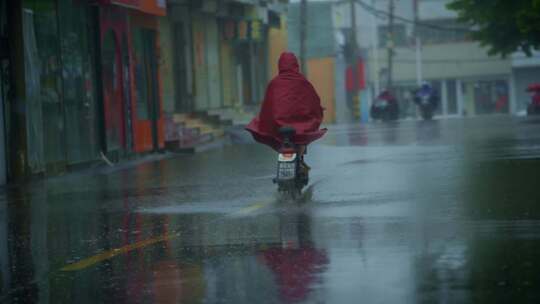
111 83
452 97
141 77
443 31
437 86
42 42
109 62
399 36
491 97
78 84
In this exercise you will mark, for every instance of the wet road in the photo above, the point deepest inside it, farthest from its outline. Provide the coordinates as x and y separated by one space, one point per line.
408 212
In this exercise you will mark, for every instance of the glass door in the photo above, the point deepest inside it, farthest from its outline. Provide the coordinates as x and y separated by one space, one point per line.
78 76
148 108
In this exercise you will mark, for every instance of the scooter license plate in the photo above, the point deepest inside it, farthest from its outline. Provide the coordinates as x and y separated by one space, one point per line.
286 170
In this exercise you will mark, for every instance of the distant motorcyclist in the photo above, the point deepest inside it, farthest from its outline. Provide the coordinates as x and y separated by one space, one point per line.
385 106
427 99
426 91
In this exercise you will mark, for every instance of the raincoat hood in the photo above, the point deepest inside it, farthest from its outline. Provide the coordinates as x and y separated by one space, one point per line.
288 63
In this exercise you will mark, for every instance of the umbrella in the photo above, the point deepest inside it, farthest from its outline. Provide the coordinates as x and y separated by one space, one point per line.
533 87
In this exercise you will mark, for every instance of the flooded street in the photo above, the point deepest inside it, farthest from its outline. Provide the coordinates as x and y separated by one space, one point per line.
443 211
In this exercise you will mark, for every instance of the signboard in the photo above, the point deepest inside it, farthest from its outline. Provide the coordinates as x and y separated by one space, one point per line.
242 30
256 30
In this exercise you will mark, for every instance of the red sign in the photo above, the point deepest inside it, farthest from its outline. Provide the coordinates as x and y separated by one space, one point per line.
355 79
153 7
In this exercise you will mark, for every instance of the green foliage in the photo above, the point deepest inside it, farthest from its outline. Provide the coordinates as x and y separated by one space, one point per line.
505 26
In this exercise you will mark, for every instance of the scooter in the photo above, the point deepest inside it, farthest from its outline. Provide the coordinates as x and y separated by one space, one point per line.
290 177
427 105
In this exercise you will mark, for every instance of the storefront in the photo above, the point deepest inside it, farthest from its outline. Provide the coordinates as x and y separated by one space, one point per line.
148 121
61 128
132 101
116 79
220 56
486 96
182 61
228 63
251 50
5 80
200 70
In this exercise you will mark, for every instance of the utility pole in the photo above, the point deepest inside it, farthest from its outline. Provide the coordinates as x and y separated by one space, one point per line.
419 76
375 45
303 36
354 62
390 43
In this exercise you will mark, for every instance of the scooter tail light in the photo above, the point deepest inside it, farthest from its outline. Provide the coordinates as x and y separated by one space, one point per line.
287 151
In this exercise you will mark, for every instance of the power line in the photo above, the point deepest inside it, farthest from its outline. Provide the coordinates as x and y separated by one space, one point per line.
456 61
384 15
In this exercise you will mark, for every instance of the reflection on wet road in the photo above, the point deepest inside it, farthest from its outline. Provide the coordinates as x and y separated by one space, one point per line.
406 212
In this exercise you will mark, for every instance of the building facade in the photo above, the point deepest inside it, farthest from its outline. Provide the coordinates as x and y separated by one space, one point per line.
469 81
218 63
83 81
49 86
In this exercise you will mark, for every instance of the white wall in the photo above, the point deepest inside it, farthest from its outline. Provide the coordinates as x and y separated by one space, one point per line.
434 9
521 60
456 60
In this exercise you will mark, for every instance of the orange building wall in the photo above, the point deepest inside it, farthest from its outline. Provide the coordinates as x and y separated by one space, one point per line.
153 7
277 41
321 72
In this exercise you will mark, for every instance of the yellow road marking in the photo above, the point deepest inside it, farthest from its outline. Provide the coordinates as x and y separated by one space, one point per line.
106 255
250 208
85 263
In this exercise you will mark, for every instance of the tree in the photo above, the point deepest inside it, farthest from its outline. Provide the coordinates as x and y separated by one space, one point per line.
504 26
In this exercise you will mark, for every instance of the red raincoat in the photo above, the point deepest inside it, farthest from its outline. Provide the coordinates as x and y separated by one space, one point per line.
296 270
290 100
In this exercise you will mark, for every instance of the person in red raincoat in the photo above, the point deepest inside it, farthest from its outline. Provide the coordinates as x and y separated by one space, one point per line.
290 101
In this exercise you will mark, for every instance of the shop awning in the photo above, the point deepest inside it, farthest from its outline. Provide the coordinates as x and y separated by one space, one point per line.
153 7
